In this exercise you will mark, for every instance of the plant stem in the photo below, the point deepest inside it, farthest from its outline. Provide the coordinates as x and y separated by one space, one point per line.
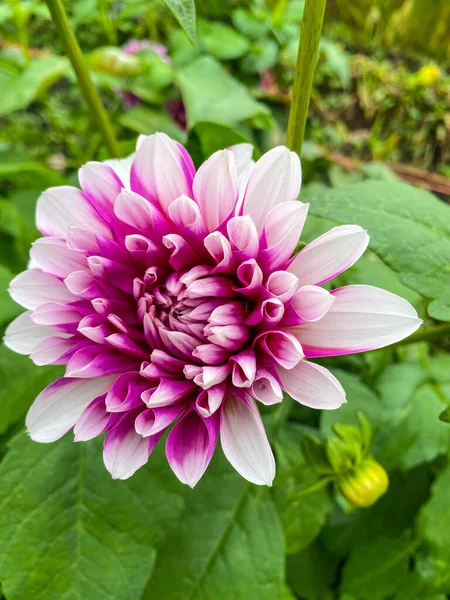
73 51
431 333
108 23
313 488
20 21
304 72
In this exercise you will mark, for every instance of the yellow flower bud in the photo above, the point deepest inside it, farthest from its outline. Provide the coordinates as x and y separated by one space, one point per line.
365 484
428 75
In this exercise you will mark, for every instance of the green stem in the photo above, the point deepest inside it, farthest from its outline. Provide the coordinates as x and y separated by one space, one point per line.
313 488
429 334
304 72
108 23
73 51
20 21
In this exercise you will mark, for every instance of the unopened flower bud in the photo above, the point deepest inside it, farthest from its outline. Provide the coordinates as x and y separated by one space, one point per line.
365 484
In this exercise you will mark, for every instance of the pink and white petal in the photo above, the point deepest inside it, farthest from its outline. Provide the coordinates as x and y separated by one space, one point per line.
62 317
361 318
282 285
168 392
53 256
93 421
313 386
280 347
311 303
101 185
330 254
244 164
243 369
125 392
34 287
209 401
266 388
185 214
59 406
96 361
190 446
154 420
275 178
161 171
124 450
216 188
122 167
52 351
243 237
244 440
59 208
282 230
23 334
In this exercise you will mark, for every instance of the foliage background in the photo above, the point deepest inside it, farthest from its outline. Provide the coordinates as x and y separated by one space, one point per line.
380 114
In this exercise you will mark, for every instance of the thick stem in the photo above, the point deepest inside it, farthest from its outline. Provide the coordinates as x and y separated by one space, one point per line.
304 72
73 51
425 335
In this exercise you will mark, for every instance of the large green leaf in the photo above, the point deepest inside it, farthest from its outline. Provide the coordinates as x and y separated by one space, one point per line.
142 119
23 171
302 515
376 570
359 398
40 75
434 533
211 94
20 382
8 308
221 41
67 530
416 435
184 12
409 230
229 544
311 573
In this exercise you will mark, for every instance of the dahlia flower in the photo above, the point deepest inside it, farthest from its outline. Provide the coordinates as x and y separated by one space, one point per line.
178 304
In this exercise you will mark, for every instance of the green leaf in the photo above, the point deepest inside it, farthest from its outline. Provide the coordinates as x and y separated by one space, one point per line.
252 26
142 119
417 436
212 94
262 56
311 573
374 571
13 166
67 530
304 516
20 382
221 41
184 12
409 230
229 543
213 137
36 78
359 398
337 61
8 308
434 533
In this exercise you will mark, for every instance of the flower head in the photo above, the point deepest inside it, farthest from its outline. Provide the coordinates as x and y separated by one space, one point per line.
175 301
